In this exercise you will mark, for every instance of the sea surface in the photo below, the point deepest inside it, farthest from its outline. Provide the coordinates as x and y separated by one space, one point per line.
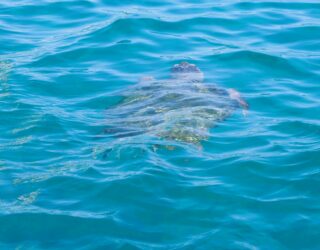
66 183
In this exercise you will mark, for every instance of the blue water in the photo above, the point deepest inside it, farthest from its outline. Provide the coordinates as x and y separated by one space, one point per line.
253 184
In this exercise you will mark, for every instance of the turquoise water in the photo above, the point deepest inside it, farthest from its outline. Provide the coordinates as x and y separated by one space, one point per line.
255 182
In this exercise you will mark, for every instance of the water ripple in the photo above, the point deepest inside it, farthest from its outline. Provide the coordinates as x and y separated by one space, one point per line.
69 184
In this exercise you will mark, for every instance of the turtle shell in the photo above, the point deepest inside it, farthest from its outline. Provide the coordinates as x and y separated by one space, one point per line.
174 109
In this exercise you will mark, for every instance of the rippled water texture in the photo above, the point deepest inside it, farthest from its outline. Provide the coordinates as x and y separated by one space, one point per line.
253 184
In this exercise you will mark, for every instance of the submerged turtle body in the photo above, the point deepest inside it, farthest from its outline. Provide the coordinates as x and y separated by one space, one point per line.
181 108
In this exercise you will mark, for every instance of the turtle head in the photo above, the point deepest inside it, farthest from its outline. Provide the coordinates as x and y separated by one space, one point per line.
186 71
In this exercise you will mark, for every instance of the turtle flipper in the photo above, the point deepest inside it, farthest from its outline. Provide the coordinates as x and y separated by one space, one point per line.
235 95
120 132
146 79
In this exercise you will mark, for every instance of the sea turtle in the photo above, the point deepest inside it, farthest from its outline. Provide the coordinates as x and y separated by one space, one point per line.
181 108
